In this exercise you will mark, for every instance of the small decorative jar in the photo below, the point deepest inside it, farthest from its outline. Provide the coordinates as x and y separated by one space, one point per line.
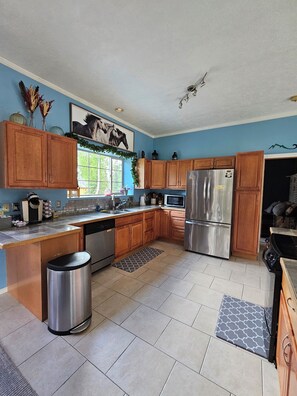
174 156
155 155
18 118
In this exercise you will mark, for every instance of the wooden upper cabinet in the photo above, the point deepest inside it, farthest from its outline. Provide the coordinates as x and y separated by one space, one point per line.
177 173
24 156
144 169
158 180
30 158
249 170
203 163
224 162
62 162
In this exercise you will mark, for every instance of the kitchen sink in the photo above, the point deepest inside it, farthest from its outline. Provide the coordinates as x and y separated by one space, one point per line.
116 211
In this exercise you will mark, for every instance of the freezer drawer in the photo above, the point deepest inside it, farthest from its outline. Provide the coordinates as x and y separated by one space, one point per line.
208 238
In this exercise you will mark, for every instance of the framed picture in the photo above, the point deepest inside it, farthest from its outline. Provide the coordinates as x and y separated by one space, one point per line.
92 126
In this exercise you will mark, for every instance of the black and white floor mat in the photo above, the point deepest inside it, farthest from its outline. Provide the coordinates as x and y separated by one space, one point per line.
243 324
137 259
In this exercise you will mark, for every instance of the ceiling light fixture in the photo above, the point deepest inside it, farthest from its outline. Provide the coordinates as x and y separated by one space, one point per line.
192 90
119 109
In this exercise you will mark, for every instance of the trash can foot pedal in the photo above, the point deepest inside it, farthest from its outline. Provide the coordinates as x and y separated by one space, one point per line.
84 325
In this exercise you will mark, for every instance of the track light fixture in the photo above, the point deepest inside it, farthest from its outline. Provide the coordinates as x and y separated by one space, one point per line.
192 90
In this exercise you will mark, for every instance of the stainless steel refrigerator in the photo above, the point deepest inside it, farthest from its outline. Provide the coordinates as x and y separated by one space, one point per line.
209 211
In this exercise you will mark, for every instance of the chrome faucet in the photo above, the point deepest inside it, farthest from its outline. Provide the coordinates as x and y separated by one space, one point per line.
121 204
113 201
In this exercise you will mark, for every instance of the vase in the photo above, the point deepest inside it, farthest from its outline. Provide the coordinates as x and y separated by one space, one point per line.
31 120
43 124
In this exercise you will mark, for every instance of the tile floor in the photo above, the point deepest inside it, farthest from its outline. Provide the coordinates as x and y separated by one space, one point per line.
152 333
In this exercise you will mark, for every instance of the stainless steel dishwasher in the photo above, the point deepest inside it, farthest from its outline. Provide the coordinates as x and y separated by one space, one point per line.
99 242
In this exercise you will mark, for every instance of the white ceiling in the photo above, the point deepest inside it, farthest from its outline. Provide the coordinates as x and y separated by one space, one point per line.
142 54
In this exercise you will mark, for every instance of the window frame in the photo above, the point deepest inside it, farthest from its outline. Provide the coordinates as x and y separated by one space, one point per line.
79 149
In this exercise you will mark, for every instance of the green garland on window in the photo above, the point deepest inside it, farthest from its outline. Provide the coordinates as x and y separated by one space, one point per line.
104 148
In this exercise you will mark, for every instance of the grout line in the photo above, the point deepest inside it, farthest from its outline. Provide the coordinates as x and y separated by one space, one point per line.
169 374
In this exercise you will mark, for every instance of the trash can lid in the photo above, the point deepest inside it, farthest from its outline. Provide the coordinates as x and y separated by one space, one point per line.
70 261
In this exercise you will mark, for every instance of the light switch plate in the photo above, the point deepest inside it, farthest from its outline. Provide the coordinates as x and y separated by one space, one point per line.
58 204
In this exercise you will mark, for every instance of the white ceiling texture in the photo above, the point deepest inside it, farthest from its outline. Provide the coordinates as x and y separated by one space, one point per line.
142 55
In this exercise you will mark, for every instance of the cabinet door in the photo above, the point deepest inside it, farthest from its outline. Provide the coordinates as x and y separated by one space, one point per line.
26 157
164 223
136 235
144 169
249 170
283 347
203 163
158 174
224 162
172 173
246 224
292 387
184 167
177 225
62 162
122 240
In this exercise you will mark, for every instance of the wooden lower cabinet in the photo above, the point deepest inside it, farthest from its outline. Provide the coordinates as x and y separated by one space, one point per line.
26 270
149 227
128 234
286 353
164 223
122 240
177 225
136 235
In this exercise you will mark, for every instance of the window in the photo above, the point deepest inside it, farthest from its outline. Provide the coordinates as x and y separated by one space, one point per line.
98 173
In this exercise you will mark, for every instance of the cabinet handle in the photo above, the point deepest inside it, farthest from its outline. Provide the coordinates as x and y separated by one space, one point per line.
288 299
284 339
285 355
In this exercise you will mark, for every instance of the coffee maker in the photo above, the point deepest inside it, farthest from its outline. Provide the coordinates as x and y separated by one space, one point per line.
32 208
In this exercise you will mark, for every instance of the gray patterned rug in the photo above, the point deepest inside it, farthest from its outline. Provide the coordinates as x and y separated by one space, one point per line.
138 259
243 324
12 382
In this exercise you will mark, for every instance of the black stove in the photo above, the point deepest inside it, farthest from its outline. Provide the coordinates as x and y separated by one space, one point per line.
277 246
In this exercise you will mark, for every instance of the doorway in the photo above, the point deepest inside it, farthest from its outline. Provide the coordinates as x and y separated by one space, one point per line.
278 203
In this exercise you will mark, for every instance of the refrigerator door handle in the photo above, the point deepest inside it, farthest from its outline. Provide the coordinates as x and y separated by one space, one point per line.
204 195
207 224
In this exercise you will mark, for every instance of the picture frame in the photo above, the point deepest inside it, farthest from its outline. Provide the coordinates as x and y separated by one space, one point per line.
92 126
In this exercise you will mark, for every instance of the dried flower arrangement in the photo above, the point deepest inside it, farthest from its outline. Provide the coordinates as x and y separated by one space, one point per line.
44 108
31 97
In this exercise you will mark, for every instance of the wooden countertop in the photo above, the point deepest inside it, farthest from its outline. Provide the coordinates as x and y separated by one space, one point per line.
289 268
60 226
283 231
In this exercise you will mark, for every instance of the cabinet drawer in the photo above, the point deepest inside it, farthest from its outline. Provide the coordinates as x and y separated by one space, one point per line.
128 220
291 302
178 213
224 162
148 236
203 163
148 224
177 233
149 215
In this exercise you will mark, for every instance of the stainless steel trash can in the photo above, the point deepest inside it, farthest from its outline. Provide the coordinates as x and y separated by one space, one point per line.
69 293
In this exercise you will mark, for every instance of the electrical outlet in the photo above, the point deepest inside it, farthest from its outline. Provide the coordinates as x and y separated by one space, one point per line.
6 207
58 204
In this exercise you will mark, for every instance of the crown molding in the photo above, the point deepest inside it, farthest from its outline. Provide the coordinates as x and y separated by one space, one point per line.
70 95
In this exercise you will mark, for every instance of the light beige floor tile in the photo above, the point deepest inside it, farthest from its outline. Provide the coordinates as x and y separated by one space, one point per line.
50 367
211 260
243 368
89 381
25 341
104 344
175 251
127 286
204 296
190 255
117 308
146 323
180 309
73 339
249 279
185 382
151 296
267 281
173 259
246 261
196 266
142 370
206 320
7 302
227 287
13 318
135 274
256 296
270 379
217 271
156 265
183 343
178 272
233 265
199 278
154 278
106 276
177 286
100 294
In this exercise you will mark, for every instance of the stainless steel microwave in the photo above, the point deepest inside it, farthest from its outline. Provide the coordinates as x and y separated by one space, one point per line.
177 201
